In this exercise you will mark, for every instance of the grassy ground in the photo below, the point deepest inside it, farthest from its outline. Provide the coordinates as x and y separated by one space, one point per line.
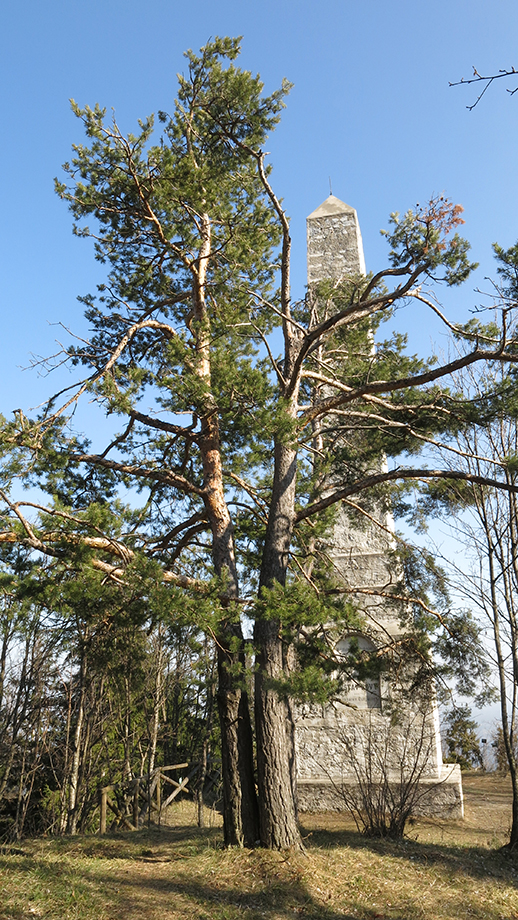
448 870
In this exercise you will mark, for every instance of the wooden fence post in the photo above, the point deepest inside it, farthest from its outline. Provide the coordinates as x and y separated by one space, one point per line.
103 795
159 795
149 788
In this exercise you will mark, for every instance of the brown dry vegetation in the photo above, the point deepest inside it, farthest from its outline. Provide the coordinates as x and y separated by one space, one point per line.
447 870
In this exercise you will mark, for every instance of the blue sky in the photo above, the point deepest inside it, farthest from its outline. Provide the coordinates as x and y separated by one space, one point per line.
371 108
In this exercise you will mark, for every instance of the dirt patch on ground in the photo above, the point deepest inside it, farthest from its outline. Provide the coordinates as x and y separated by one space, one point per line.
487 804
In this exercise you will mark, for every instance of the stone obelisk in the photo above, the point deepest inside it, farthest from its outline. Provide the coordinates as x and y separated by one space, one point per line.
363 555
335 247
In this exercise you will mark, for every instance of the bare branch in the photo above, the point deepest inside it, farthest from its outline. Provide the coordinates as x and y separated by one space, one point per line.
160 425
487 80
126 339
141 472
403 383
377 479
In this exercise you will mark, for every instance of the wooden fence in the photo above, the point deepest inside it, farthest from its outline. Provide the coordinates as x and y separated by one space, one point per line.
143 799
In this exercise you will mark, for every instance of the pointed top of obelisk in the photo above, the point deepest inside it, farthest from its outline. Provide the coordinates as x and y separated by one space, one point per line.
331 206
335 248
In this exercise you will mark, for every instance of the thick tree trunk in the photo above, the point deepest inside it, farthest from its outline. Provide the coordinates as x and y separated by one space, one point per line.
274 722
240 812
275 774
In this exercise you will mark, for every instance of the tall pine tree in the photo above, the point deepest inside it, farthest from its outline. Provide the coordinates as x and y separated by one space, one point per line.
217 427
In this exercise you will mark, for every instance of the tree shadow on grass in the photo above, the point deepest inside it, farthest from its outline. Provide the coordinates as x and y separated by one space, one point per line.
157 880
144 843
282 899
474 861
189 881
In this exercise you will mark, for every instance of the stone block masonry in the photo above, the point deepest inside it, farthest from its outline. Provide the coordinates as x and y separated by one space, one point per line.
376 731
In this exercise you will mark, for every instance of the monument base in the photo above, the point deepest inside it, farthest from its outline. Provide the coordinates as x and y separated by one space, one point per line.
436 797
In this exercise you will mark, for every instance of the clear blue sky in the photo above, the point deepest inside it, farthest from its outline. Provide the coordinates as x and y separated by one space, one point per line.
371 108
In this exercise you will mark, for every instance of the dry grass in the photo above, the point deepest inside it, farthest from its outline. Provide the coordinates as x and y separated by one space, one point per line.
448 870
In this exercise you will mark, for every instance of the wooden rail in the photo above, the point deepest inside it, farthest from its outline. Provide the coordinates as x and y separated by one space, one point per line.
143 795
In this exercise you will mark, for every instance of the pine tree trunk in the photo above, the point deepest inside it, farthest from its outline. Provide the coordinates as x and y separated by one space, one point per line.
240 818
275 776
274 721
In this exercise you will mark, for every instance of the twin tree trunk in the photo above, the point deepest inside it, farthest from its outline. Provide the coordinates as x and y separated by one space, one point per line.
240 812
270 818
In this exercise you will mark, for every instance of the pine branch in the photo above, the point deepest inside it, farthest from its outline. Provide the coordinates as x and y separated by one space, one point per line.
377 479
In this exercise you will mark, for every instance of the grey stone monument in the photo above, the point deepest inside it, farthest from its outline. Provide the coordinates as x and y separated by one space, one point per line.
375 731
